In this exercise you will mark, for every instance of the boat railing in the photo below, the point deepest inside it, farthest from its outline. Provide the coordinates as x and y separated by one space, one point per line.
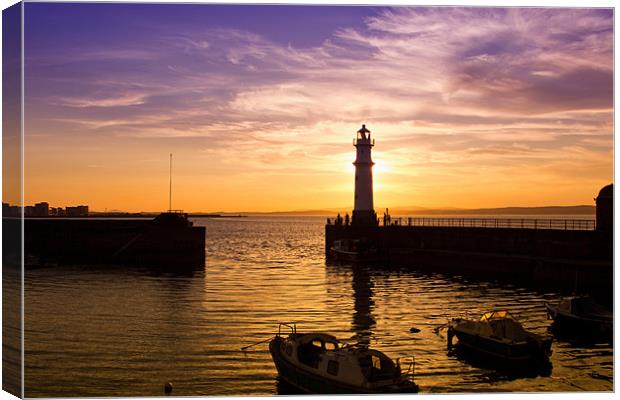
356 345
291 326
410 373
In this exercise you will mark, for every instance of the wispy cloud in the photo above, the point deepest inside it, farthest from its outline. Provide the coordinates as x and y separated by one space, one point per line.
123 100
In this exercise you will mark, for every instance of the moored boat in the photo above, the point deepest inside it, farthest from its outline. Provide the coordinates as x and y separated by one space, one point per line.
498 337
581 316
354 250
318 363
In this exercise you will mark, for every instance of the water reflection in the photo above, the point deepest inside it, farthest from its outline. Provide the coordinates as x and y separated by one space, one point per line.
126 333
495 372
581 338
363 321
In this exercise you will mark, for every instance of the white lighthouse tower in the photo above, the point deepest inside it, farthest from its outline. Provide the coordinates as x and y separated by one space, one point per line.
363 211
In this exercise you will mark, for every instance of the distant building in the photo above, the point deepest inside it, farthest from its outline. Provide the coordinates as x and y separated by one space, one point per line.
78 211
9 210
15 211
41 209
605 209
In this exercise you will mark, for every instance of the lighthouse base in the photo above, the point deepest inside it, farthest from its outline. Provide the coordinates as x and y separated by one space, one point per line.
364 218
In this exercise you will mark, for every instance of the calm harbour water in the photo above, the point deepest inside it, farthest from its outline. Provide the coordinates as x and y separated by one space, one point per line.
96 331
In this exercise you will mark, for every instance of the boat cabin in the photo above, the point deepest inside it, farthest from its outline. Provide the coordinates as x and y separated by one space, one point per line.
323 355
311 346
581 306
496 324
173 219
363 247
345 245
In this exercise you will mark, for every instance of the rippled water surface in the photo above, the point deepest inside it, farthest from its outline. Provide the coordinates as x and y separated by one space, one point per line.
95 331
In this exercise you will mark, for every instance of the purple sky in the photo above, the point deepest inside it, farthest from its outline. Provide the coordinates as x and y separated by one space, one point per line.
490 106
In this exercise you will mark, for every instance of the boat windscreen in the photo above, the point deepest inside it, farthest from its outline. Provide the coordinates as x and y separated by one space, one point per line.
375 368
508 328
329 346
495 315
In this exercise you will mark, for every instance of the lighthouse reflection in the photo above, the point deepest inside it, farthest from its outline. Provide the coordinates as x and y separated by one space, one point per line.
363 322
363 304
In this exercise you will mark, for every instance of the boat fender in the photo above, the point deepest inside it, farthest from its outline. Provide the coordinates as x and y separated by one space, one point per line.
168 388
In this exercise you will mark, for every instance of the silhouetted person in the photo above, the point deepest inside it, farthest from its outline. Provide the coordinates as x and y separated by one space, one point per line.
346 219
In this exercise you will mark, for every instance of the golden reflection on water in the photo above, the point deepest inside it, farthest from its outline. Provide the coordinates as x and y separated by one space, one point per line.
103 332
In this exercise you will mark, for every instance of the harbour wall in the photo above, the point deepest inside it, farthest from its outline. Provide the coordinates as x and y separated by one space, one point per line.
108 241
558 260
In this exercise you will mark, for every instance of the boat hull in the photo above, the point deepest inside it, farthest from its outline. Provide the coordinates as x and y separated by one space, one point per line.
508 355
354 257
315 384
577 326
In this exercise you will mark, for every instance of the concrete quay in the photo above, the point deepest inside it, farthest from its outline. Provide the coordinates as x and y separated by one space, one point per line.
553 260
149 243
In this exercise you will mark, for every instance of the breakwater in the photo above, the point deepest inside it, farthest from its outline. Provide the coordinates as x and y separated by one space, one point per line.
551 259
151 243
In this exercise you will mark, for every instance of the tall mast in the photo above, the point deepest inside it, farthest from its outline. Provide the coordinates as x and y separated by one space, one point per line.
170 190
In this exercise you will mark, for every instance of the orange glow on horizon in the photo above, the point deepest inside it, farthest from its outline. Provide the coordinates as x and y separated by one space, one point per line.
134 178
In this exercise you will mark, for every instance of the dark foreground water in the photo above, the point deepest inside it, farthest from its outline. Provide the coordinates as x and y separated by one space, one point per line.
118 332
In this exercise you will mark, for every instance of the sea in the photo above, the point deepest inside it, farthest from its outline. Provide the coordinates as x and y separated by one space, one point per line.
93 331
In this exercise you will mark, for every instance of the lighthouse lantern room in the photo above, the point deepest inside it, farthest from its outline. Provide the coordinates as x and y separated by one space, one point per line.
363 210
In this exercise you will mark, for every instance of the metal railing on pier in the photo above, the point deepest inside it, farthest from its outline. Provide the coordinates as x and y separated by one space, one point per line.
505 223
512 223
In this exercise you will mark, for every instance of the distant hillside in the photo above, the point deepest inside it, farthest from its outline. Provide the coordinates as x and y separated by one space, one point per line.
310 213
547 210
330 212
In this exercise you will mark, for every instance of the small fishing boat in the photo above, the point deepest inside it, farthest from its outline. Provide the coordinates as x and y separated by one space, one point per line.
317 363
498 337
581 316
354 250
173 219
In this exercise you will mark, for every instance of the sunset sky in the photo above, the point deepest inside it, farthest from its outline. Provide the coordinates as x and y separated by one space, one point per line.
470 107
